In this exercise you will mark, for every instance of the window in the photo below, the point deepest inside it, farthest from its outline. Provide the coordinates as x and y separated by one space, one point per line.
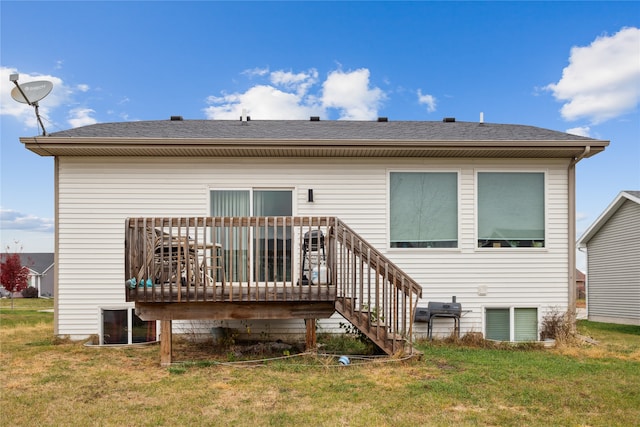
122 326
498 325
272 247
423 208
511 209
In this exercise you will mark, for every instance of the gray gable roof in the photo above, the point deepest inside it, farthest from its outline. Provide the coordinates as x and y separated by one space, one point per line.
39 262
306 138
621 198
318 130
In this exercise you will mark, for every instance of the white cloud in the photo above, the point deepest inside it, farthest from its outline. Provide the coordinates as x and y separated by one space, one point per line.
428 100
580 131
262 102
289 95
83 87
259 72
349 92
581 216
300 82
14 220
601 80
81 117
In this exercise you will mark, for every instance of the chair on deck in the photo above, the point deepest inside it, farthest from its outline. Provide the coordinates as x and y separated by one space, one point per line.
179 258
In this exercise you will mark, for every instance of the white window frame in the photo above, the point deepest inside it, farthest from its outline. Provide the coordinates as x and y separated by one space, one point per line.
458 173
130 311
512 326
545 173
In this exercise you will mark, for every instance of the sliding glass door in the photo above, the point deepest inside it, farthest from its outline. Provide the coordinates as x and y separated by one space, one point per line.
270 256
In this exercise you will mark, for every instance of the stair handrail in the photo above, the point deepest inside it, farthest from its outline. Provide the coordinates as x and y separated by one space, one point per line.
383 308
339 230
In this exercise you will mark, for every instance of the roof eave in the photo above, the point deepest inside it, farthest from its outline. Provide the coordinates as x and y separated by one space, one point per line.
613 207
57 146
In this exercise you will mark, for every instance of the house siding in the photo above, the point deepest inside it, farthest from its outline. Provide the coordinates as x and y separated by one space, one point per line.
613 281
95 195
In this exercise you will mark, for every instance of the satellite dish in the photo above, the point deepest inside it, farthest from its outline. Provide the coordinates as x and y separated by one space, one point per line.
31 92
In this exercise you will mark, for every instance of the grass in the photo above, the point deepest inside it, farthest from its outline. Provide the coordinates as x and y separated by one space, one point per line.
26 311
45 381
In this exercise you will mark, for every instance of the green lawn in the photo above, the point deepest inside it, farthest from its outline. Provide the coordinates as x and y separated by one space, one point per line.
47 381
26 311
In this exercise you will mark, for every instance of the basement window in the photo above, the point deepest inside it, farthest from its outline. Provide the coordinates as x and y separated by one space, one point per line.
511 324
121 326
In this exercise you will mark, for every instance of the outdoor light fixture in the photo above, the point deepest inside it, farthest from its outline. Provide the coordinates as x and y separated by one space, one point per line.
310 195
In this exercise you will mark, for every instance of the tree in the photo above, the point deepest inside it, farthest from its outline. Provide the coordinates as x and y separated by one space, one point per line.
13 275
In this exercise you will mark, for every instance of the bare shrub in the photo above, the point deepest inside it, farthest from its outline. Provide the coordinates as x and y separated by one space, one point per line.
559 326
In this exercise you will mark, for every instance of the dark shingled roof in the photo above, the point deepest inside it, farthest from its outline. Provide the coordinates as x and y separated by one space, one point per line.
311 138
37 261
302 130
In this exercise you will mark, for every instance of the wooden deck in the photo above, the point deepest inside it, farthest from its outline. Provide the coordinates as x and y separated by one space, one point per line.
266 268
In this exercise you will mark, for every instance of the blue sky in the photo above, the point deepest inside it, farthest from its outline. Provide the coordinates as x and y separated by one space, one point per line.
567 66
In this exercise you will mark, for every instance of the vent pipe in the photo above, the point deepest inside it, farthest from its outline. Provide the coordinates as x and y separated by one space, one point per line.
449 119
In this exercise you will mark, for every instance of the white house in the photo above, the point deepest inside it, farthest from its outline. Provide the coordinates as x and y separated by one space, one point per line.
40 271
481 212
612 244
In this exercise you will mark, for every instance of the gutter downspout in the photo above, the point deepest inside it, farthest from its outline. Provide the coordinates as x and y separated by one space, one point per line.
571 176
56 246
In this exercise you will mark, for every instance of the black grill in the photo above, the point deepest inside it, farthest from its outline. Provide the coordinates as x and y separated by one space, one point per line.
439 309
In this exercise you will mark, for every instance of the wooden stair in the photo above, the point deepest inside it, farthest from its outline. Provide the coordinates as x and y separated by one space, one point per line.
373 293
375 329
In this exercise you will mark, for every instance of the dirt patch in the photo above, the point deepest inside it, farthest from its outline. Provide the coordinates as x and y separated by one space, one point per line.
242 350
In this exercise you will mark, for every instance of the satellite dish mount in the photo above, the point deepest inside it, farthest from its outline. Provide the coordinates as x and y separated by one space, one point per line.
30 93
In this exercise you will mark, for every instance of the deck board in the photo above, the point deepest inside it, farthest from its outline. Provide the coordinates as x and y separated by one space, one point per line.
231 293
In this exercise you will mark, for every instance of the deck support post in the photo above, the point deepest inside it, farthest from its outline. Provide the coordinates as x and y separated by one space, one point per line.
310 341
165 342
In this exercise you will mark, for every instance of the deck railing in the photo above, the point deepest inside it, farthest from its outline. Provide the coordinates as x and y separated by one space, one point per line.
226 259
269 259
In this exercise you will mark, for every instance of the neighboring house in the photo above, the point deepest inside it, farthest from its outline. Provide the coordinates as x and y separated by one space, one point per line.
478 211
612 244
581 285
41 275
41 270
